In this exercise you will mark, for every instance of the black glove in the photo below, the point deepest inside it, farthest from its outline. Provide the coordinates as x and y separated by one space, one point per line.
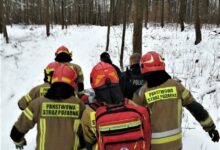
214 135
21 144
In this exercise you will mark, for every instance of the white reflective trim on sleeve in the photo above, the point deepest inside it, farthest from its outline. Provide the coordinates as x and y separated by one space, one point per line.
166 133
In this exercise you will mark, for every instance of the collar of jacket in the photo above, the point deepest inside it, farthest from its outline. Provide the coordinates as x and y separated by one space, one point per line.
135 67
156 78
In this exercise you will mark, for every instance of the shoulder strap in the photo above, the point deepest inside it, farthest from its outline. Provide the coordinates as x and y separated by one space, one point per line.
95 105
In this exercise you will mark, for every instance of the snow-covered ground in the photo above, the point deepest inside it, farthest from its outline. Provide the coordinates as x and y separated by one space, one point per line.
29 51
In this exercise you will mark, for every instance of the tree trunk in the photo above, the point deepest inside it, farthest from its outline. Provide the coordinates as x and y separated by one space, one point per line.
5 33
182 13
100 20
1 16
32 10
169 11
40 12
47 17
155 3
55 13
205 11
146 13
162 14
123 34
109 25
116 15
189 10
138 23
129 3
27 12
96 12
62 14
83 11
197 22
91 12
79 13
218 21
8 12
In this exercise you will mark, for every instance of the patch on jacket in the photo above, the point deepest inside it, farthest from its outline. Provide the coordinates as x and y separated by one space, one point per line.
161 94
67 110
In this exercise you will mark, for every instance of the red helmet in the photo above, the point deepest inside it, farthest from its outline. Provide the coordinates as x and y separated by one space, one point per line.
62 49
151 61
51 67
66 75
101 72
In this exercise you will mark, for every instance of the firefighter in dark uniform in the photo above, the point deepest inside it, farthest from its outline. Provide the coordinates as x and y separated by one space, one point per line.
132 79
57 115
165 98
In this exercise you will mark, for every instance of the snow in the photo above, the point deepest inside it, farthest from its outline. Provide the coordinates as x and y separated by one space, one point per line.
29 51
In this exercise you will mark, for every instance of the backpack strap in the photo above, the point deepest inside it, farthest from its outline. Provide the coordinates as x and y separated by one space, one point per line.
95 105
120 104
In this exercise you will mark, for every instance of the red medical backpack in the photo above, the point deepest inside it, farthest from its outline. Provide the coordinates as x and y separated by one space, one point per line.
123 127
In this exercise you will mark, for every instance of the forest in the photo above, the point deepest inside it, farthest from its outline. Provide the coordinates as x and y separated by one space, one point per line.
111 13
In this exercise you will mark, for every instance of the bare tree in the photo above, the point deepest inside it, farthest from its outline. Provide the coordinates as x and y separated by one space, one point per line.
91 12
182 13
162 14
218 21
32 11
146 14
55 12
26 12
1 16
123 34
109 24
39 6
197 22
155 7
62 15
205 11
169 11
47 17
5 33
189 11
138 24
78 12
116 12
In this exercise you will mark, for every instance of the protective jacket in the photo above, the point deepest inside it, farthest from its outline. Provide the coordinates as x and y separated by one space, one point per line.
34 93
165 102
58 123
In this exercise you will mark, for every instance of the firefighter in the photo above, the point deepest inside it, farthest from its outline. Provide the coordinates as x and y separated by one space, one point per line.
63 55
132 79
165 98
41 89
102 75
57 115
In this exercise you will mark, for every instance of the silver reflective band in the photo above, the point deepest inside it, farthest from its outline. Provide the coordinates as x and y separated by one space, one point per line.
166 133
